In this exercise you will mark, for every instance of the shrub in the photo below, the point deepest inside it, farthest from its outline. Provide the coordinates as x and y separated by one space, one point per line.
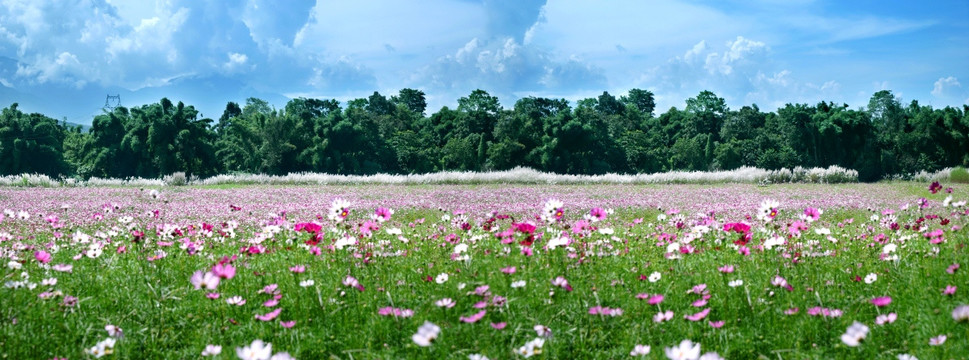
176 179
959 175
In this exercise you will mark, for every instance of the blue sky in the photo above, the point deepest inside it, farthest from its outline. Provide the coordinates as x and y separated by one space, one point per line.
62 57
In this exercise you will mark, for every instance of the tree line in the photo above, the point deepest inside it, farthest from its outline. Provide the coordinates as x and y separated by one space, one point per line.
377 134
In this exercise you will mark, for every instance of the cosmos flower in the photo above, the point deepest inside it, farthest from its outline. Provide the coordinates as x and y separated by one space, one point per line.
206 280
855 334
339 210
686 350
426 334
258 350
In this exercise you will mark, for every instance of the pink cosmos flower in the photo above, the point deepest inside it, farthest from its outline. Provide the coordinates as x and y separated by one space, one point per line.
882 301
598 214
698 316
271 303
445 303
811 214
42 256
952 268
287 324
561 282
886 319
935 187
212 295
63 268
781 282
224 271
207 280
509 270
938 340
949 290
960 313
655 299
473 318
726 269
298 269
270 289
792 311
663 316
543 330
499 326
382 214
270 315
716 324
352 282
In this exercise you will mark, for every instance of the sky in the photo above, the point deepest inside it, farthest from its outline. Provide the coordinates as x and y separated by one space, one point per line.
61 58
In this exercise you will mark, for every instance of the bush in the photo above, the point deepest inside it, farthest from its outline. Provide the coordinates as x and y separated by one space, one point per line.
959 175
176 179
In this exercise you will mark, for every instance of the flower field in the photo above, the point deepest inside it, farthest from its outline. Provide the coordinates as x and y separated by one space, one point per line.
866 271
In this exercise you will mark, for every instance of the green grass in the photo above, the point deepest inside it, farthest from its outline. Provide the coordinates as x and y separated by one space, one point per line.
163 317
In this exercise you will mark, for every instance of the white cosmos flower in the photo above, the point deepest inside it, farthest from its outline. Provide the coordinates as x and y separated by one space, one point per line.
307 283
258 350
687 350
426 334
871 278
655 276
441 278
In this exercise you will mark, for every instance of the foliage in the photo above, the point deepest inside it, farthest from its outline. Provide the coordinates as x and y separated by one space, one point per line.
599 135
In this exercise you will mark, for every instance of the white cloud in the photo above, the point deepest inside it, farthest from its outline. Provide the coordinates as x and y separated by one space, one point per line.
944 86
506 68
738 51
236 62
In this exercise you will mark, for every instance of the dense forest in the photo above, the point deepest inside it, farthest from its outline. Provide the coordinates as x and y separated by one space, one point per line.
606 134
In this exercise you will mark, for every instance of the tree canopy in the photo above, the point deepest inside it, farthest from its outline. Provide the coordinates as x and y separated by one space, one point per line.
380 134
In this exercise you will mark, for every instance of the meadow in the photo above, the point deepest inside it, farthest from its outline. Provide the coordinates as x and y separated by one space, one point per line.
735 271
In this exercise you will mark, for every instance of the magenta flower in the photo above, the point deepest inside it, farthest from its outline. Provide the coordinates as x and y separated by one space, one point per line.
509 270
473 318
811 214
42 256
270 315
716 324
224 271
382 214
598 214
698 316
726 269
882 301
949 290
298 269
212 295
935 187
655 299
499 326
287 324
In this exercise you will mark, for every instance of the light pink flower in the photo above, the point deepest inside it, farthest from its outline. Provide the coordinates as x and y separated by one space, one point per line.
663 316
297 269
938 340
499 325
270 315
473 318
206 280
224 271
716 324
886 319
698 316
726 269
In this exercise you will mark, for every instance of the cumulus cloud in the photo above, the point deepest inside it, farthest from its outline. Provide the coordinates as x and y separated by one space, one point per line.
944 86
742 71
505 68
